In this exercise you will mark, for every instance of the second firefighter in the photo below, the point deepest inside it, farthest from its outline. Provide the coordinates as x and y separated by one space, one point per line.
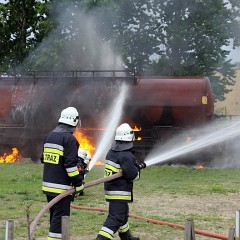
119 192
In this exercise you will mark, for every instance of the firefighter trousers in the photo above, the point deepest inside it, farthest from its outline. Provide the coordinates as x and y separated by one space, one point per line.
117 220
61 208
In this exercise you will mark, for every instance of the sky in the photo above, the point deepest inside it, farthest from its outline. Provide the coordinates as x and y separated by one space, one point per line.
235 55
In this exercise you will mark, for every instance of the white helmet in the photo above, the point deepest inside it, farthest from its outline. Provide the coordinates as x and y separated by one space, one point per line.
82 153
87 159
69 116
124 133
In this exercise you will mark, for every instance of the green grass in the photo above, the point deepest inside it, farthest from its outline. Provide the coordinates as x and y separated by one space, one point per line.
21 189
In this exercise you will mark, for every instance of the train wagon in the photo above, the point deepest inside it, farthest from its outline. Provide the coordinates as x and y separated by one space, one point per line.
157 107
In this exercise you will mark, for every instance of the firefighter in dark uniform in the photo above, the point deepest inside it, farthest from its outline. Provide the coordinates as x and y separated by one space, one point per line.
82 166
119 192
60 173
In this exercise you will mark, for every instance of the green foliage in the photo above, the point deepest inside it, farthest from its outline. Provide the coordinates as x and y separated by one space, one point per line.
223 77
136 33
23 25
155 37
185 38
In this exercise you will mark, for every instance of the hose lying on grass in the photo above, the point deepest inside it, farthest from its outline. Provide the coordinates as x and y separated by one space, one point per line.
34 223
200 232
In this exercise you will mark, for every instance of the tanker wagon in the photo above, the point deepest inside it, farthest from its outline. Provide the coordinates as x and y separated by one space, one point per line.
157 108
166 107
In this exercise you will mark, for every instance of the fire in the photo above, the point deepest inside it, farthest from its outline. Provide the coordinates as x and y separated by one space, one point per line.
200 166
84 141
8 158
137 129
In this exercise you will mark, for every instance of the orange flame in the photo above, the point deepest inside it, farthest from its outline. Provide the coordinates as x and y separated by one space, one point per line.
84 141
136 129
8 158
200 166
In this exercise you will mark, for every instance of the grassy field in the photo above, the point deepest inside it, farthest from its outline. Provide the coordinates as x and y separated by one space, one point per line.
171 194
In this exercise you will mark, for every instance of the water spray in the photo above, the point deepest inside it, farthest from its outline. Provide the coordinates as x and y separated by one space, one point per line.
210 135
112 121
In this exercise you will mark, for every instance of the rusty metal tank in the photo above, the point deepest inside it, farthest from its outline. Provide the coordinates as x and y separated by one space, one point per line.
159 106
168 101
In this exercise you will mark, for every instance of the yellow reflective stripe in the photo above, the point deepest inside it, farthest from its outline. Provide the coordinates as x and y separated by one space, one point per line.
105 234
53 238
53 150
107 173
117 197
51 158
53 190
114 169
73 174
124 229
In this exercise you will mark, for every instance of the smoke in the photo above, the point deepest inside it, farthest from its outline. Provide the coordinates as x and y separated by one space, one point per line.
38 101
110 123
79 42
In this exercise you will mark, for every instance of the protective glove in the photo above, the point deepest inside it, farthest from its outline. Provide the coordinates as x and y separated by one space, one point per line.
140 166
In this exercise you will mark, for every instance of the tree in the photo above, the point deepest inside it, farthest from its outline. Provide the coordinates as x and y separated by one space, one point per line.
23 25
80 38
186 37
163 37
134 29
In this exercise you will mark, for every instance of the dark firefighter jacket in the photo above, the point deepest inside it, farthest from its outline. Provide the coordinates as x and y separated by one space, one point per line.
60 161
120 189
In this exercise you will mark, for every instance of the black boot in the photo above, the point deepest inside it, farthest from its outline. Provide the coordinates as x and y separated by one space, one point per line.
127 236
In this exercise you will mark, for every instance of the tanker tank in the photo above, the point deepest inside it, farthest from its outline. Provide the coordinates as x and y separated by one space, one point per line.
158 108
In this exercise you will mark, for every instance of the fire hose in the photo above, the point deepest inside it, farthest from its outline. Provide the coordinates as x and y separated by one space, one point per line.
200 232
34 223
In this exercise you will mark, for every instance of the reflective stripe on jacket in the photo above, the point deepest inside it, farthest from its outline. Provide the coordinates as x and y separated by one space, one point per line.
120 189
60 163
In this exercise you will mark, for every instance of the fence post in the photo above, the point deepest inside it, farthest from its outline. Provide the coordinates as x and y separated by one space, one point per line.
237 225
231 234
65 228
189 230
9 230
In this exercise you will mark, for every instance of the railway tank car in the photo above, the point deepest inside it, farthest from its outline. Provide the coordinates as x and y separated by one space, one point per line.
158 107
165 107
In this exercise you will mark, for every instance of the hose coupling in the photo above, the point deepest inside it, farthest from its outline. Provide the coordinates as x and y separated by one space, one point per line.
142 165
